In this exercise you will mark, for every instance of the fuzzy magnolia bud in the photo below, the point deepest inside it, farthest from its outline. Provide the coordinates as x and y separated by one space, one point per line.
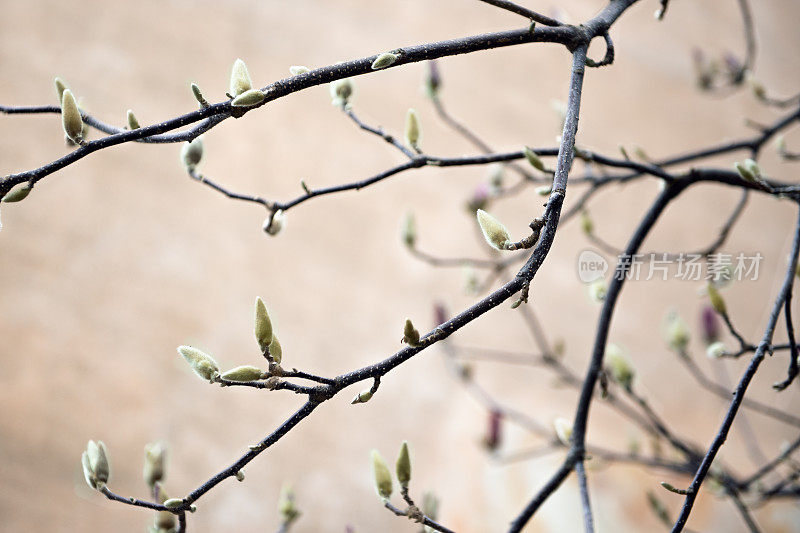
60 88
533 159
618 366
433 81
744 172
71 117
133 124
715 350
413 130
598 290
384 60
753 168
383 478
95 465
362 397
154 463
275 223
676 332
410 334
493 230
202 363
296 70
173 503
198 95
587 225
717 302
286 505
192 153
18 192
249 98
341 92
563 430
263 325
409 231
403 466
243 373
275 350
240 79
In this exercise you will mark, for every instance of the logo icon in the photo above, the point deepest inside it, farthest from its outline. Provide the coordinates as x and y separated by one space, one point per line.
591 266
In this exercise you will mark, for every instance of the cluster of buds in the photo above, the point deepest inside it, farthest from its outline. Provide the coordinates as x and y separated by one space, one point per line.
384 484
241 87
265 336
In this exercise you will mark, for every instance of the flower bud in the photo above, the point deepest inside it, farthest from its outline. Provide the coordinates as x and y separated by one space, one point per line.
717 302
544 190
240 475
413 130
275 223
202 363
744 172
154 464
410 334
263 325
383 478
715 350
275 350
533 159
198 95
495 171
403 467
709 324
753 168
18 192
243 373
494 430
341 92
249 98
173 503
563 430
286 507
439 313
384 60
494 232
71 118
676 332
479 198
780 145
598 290
133 124
95 464
758 89
297 70
60 88
240 79
409 231
587 225
362 397
433 80
618 366
192 153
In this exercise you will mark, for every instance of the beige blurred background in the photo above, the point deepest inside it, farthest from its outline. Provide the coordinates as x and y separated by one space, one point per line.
116 260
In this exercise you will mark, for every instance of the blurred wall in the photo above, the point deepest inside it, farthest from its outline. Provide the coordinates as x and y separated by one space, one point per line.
114 261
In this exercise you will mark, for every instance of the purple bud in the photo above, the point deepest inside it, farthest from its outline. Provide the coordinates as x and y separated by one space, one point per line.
439 313
709 324
494 430
480 197
434 78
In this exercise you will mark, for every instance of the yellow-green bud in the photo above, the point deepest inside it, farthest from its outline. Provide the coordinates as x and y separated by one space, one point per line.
413 130
173 503
202 363
409 232
753 168
286 507
383 478
587 225
243 373
240 79
641 154
410 334
274 224
71 117
60 88
624 152
533 159
263 325
715 350
618 366
717 302
192 153
18 192
676 332
198 95
403 467
384 60
780 145
341 92
598 290
493 230
249 98
544 190
154 463
744 172
563 430
275 350
240 475
362 397
297 70
133 124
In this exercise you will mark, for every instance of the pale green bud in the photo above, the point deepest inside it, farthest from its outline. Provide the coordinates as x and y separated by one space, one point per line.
243 373
544 190
598 290
249 98
173 503
154 463
587 225
641 154
676 332
403 467
362 397
744 172
60 88
133 124
533 159
493 230
780 145
495 171
286 506
202 363
413 130
240 79
198 95
71 117
410 334
18 192
383 478
409 232
563 429
297 70
263 325
618 366
192 152
275 350
717 302
384 60
274 224
98 460
240 475
341 92
715 350
753 168
88 474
